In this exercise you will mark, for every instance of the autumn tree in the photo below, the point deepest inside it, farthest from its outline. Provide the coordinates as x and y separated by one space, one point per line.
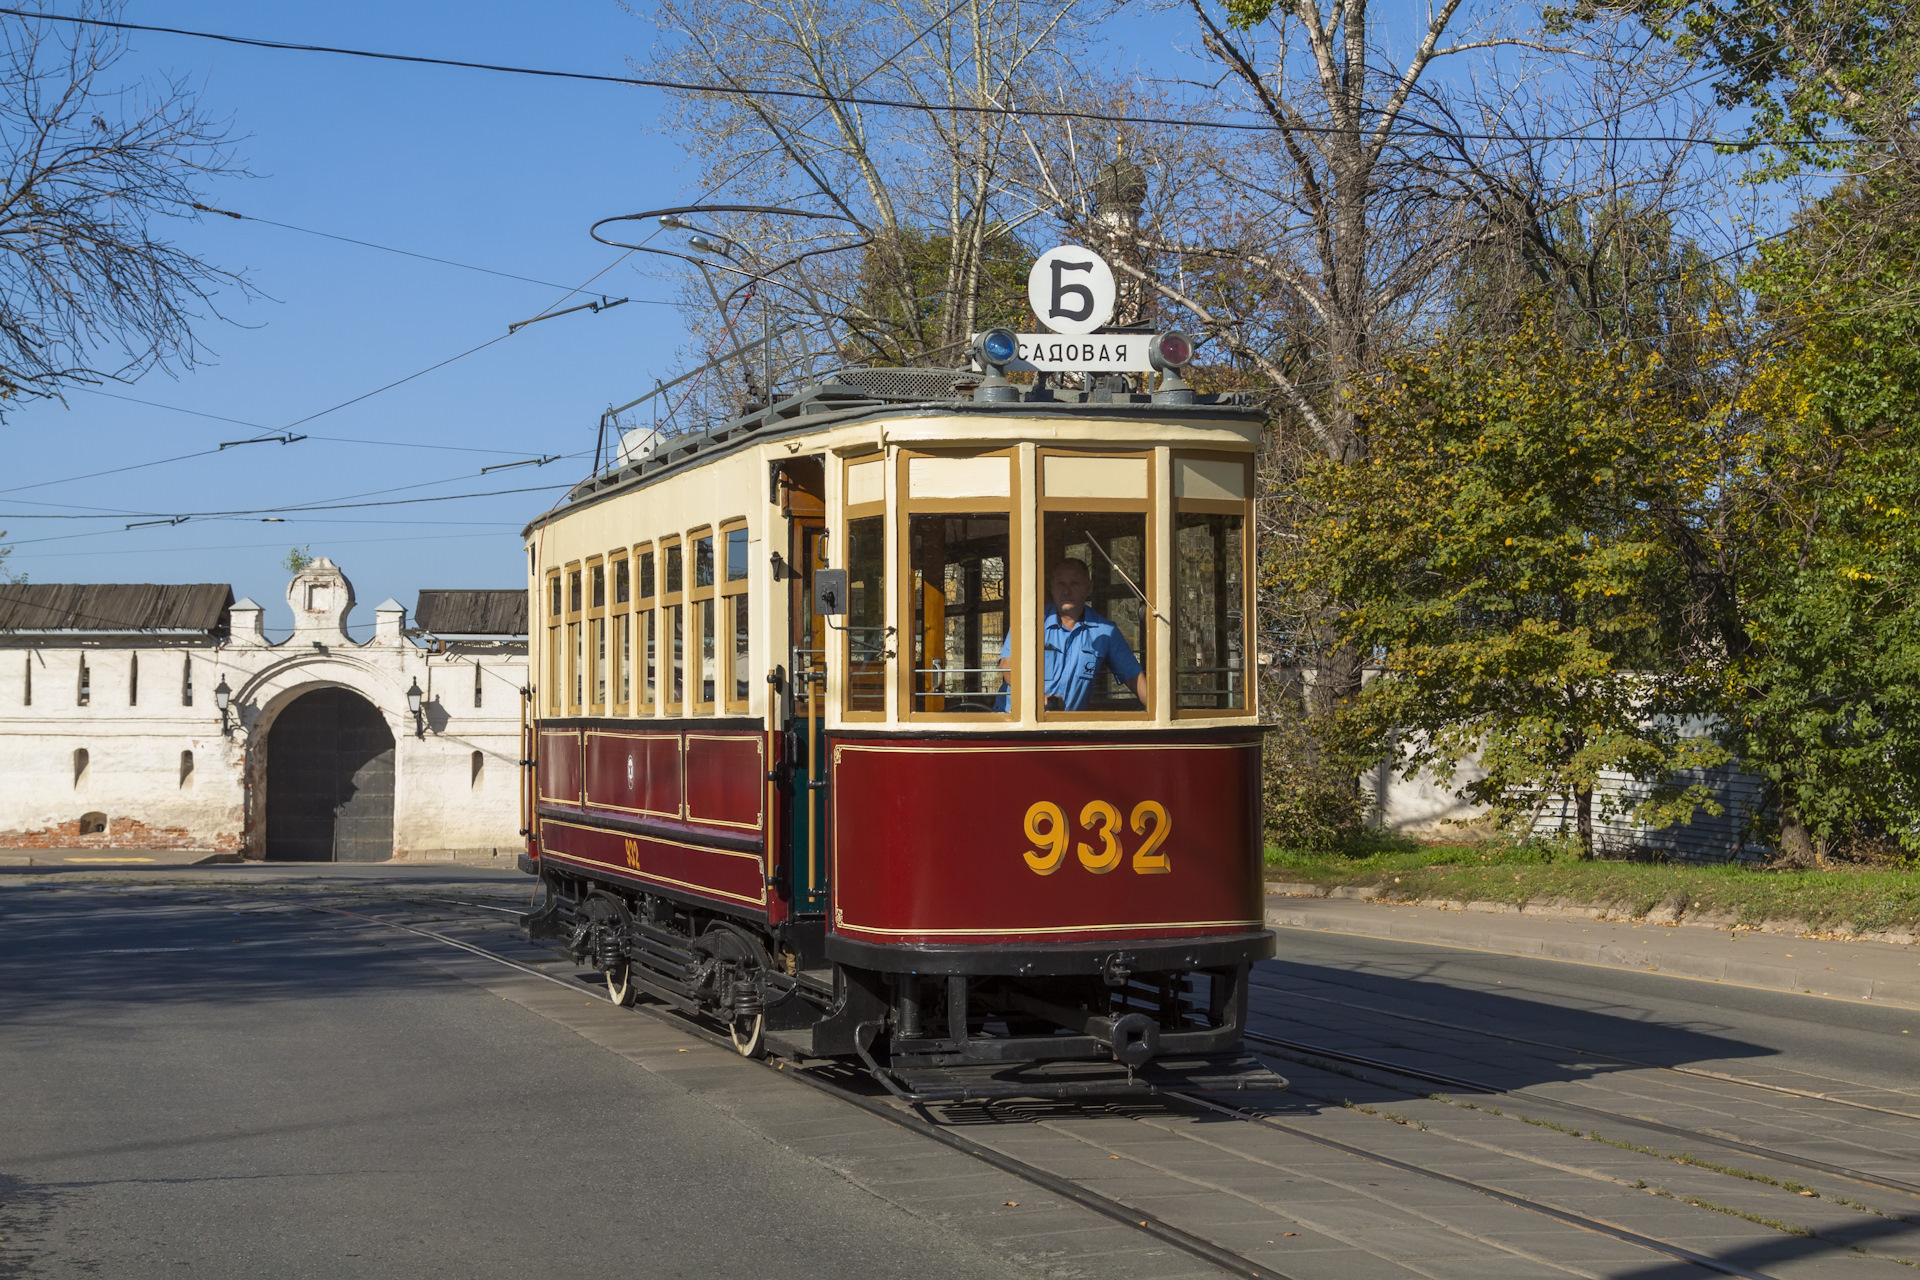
1496 551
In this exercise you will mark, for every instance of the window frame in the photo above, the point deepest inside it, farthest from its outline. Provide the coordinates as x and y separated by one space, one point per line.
619 628
905 507
646 614
1143 507
1212 506
555 631
670 602
594 569
702 603
576 679
732 589
849 512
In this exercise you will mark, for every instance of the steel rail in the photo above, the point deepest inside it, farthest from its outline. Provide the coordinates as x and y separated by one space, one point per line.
1581 1220
1546 1100
1112 1209
1693 1072
1137 1219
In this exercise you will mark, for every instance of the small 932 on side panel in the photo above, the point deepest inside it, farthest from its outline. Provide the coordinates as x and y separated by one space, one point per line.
910 720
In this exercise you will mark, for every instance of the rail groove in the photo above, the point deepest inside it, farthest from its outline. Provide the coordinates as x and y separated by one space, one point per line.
1148 1224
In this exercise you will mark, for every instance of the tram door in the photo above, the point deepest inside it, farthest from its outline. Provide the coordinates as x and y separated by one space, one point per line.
806 726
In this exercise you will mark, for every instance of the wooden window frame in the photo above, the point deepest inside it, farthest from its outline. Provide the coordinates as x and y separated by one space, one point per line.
1125 506
645 613
598 654
905 508
669 602
575 694
849 512
1244 509
619 633
554 672
732 589
698 596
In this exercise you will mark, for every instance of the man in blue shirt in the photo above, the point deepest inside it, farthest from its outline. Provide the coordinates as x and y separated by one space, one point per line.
1079 644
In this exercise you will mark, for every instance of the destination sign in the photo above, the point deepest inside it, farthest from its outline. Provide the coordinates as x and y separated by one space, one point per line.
1092 353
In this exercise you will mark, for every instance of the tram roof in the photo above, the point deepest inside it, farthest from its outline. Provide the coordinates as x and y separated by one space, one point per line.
854 394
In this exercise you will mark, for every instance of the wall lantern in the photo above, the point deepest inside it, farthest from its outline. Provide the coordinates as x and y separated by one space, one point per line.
223 698
413 705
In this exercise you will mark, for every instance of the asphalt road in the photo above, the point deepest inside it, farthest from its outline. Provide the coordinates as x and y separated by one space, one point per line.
204 1076
197 1091
1669 1021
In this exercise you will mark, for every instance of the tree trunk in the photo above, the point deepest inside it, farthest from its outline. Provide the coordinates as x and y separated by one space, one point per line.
1797 845
1583 819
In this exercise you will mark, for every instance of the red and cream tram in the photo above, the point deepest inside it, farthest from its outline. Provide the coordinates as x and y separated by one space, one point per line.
794 766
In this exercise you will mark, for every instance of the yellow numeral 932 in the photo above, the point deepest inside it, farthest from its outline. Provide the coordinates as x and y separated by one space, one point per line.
1047 829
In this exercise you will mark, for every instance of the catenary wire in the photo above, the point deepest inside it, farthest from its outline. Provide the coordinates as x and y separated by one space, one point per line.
241 422
808 95
405 253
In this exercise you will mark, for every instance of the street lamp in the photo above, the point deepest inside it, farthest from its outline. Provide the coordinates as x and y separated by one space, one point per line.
223 698
413 704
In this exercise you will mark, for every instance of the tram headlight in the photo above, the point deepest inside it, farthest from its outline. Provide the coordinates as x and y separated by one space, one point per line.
996 347
1170 352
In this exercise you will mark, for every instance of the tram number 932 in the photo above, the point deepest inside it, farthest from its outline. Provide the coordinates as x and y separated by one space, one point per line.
1047 828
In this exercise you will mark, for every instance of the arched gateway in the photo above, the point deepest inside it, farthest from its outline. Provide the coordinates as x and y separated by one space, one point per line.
329 780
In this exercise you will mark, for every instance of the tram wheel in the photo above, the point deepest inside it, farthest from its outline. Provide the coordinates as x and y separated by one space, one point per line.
746 1033
620 987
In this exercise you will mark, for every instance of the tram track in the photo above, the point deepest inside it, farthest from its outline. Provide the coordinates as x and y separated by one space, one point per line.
1074 1192
1306 1052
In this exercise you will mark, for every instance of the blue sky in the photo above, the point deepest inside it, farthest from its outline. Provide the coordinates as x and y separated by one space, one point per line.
500 171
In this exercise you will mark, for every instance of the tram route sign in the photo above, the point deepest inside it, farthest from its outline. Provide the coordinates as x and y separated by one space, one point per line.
1092 353
1071 289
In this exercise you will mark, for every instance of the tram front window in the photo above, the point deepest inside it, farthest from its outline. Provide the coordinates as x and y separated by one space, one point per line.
1209 593
866 614
959 589
1090 671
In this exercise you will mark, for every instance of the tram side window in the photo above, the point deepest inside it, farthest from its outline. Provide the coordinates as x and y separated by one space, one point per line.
1109 550
866 614
576 646
735 620
959 588
673 625
706 674
597 637
1209 595
554 677
622 643
649 640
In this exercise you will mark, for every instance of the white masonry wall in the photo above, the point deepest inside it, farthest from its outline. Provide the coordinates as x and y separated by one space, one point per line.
445 804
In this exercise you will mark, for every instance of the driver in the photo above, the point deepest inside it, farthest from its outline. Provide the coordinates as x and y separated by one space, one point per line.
1079 643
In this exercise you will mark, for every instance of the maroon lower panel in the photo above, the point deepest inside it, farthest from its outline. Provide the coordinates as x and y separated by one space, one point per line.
944 841
558 772
735 878
634 772
726 778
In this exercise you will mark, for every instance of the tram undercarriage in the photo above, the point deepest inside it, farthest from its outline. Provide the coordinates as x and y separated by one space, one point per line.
1102 1025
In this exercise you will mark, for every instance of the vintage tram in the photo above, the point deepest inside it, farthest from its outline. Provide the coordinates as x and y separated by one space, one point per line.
794 765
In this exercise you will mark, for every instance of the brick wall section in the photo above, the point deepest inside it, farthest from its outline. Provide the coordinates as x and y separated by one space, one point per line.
121 833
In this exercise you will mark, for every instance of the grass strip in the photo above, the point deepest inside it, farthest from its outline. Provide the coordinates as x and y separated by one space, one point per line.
1863 899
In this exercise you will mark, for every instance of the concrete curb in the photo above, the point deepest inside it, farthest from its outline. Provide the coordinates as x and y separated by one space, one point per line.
1880 972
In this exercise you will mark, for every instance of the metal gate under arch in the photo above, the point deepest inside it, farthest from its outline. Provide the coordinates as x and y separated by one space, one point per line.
329 781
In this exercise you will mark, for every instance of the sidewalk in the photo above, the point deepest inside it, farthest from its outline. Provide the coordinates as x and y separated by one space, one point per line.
112 857
1882 972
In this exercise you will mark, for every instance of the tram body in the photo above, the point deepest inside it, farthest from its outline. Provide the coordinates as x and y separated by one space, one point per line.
779 776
